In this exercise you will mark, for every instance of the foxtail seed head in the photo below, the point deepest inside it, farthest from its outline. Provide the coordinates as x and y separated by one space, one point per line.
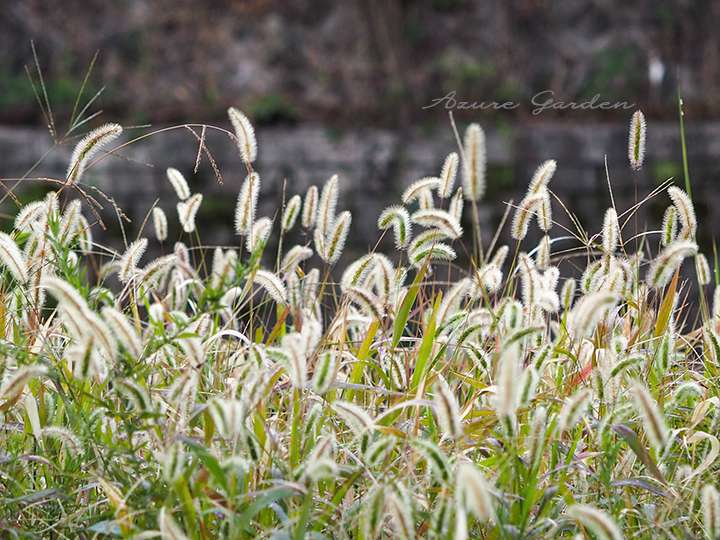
88 146
187 210
610 232
160 224
247 204
636 140
309 212
448 174
178 182
292 209
244 134
474 164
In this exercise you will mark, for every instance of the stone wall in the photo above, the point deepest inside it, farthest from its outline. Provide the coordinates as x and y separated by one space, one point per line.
374 166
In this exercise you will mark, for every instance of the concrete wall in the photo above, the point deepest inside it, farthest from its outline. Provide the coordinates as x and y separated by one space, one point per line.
374 166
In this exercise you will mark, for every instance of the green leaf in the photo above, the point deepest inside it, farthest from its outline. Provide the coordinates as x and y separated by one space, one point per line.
683 146
262 501
404 312
640 483
640 451
425 346
666 308
362 356
209 461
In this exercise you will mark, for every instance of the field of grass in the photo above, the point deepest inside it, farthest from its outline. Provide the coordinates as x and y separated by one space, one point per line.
232 393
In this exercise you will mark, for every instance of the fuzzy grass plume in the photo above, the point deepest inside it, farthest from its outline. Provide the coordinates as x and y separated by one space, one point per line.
531 390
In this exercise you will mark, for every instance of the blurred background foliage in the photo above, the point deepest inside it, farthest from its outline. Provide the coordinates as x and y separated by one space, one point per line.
358 61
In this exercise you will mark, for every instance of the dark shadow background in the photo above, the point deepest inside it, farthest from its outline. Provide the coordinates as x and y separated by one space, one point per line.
341 87
367 61
371 61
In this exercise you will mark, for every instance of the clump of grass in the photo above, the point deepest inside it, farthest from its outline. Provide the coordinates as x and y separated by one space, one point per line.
204 394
